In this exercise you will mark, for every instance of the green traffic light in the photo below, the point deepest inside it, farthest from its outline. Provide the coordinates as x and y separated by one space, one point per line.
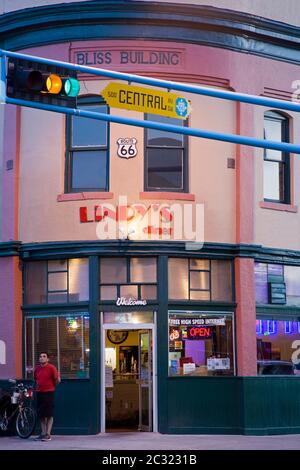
71 87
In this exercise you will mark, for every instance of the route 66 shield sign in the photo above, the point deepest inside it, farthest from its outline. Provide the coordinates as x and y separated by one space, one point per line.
127 147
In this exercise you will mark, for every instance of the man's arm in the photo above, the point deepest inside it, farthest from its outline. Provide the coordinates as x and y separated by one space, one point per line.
56 376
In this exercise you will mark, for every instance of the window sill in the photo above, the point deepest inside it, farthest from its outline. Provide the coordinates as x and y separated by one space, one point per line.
167 195
84 196
277 206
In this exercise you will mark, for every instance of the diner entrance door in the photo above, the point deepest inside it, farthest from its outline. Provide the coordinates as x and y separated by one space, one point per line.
128 401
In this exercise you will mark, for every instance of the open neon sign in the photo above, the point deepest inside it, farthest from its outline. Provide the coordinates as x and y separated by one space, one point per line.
199 332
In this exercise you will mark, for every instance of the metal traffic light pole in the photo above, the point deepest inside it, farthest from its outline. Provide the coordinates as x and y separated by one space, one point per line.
169 85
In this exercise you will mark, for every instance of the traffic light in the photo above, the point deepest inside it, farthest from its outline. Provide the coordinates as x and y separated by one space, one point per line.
34 81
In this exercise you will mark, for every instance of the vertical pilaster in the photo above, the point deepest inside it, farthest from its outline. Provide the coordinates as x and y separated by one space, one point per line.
10 317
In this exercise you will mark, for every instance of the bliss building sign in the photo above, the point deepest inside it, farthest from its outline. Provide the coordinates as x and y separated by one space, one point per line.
116 57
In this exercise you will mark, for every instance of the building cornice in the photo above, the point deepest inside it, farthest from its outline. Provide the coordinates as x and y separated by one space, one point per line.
119 19
47 250
9 248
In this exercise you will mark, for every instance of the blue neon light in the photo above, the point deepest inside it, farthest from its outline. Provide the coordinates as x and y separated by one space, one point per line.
258 327
288 327
272 327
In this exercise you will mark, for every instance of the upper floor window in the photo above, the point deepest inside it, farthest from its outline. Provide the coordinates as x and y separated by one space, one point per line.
165 157
87 159
276 163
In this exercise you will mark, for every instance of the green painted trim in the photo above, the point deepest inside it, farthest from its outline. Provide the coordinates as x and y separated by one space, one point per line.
119 19
277 309
95 346
10 248
67 249
162 341
53 308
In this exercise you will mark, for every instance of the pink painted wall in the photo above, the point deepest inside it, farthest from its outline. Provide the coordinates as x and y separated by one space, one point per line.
232 213
42 164
11 316
245 316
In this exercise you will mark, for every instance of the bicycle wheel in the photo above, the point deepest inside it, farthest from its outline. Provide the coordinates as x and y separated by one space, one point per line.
25 422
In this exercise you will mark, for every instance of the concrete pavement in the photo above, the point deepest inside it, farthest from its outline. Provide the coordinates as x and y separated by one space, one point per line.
155 441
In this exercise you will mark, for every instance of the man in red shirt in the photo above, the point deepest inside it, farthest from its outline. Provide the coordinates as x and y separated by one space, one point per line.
46 377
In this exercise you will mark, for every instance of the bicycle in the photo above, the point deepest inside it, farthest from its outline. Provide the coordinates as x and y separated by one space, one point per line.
17 405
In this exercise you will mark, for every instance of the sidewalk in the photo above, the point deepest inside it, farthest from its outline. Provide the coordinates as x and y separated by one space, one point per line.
155 441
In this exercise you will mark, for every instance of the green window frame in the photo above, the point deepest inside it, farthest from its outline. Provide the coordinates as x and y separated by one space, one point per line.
87 151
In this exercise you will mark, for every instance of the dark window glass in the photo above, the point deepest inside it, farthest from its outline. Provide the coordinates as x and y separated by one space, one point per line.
87 150
276 163
165 157
89 132
165 168
89 169
36 282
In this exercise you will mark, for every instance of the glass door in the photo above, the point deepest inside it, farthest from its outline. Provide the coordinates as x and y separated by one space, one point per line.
145 380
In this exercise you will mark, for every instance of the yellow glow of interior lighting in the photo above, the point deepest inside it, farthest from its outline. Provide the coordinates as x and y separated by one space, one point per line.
54 84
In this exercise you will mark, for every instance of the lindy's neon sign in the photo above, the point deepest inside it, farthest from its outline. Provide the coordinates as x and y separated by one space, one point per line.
131 213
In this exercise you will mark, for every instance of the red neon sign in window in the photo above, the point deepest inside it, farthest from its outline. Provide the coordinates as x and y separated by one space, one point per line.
199 332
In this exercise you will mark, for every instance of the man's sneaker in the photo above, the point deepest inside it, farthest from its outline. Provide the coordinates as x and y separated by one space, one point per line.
46 438
39 438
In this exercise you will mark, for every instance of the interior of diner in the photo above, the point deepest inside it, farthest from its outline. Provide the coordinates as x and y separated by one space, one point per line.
201 349
128 380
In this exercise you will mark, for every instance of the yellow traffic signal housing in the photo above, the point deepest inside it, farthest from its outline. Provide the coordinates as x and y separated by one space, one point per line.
34 81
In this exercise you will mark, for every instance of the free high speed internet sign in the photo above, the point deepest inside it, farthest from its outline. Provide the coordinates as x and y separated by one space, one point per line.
146 100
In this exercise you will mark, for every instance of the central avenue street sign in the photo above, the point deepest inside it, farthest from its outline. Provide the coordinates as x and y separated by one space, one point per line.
146 100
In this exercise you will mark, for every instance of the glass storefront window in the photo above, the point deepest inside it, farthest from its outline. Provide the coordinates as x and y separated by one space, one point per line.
65 338
200 344
57 281
277 343
288 277
292 280
200 279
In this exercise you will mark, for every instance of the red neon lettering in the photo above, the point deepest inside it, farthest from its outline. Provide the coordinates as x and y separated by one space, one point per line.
165 215
83 215
124 213
202 332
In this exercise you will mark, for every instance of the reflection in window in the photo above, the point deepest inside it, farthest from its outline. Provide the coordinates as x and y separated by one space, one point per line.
87 150
200 344
165 157
276 163
128 278
57 281
64 338
275 345
200 279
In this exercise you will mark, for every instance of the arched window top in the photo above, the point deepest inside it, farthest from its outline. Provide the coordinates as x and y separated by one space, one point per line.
90 99
271 114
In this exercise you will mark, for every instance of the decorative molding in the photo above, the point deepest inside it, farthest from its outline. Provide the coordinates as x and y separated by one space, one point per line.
198 24
167 195
51 250
277 206
277 94
84 196
9 248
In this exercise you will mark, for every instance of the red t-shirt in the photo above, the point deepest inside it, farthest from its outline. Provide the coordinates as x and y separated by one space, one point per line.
46 377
